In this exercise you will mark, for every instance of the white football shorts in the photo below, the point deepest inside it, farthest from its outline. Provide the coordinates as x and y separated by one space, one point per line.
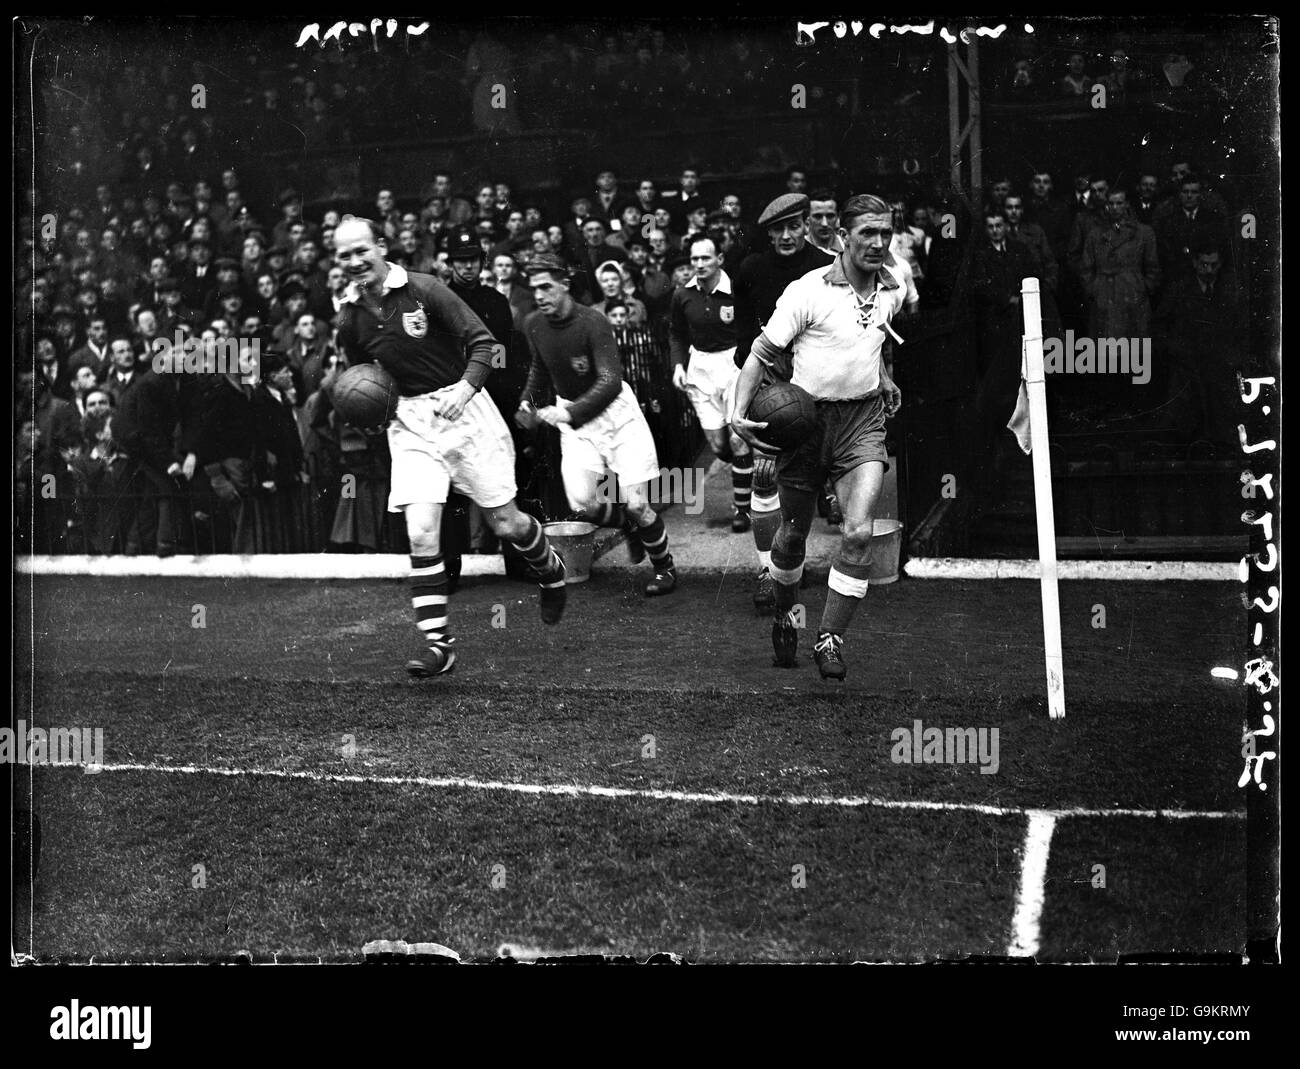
711 386
617 440
475 454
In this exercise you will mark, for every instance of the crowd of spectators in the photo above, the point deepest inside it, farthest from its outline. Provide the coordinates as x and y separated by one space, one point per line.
161 234
164 259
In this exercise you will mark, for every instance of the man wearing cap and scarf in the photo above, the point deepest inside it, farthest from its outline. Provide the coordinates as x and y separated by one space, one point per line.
760 281
445 433
835 322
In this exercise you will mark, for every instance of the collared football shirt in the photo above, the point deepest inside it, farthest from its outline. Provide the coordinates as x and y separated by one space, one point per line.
836 336
702 321
425 336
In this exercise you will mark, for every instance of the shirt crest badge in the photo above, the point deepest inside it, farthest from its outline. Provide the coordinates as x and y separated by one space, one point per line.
581 364
727 313
416 323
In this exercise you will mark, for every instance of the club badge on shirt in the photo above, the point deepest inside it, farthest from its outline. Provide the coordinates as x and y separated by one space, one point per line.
581 363
727 313
416 323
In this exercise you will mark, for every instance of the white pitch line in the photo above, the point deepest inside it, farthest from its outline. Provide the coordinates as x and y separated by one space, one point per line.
1123 570
576 790
1033 884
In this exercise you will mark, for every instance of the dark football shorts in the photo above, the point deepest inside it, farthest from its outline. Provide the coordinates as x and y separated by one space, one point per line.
851 433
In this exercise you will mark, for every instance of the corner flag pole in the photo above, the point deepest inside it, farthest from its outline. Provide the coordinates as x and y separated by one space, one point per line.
1034 378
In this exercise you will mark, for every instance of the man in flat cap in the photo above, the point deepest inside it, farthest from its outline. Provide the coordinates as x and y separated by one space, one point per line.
291 215
760 281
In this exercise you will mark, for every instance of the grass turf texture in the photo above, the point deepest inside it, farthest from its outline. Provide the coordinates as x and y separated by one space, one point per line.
283 671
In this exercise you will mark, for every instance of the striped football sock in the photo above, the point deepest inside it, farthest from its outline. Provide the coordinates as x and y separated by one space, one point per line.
536 550
655 540
742 481
429 598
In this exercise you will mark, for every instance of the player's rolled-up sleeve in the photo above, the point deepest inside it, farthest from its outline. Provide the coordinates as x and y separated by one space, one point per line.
789 319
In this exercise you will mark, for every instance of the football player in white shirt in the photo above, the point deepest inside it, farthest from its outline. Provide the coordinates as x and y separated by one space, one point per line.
837 320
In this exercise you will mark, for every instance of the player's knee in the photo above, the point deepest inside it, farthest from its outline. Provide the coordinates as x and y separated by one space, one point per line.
424 539
636 500
857 539
739 447
640 511
586 507
507 522
720 443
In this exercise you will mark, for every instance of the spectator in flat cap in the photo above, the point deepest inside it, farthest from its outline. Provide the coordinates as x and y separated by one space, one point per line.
277 259
293 303
697 221
174 313
291 215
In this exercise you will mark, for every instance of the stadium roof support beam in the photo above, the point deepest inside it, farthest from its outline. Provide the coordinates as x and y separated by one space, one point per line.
962 136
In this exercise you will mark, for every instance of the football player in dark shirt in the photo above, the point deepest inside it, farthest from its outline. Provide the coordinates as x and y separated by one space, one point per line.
602 428
447 432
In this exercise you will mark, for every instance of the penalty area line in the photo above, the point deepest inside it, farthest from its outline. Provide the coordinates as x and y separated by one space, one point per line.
577 790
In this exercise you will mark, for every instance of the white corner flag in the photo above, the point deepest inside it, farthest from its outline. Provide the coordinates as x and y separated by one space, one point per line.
1029 424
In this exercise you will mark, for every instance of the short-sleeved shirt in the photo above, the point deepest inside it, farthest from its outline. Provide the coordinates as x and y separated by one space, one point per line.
820 315
425 337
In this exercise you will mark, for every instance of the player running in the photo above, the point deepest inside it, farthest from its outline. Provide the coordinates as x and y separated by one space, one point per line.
836 320
600 422
702 338
446 432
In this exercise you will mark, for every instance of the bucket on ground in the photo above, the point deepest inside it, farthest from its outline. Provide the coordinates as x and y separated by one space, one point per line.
886 544
575 542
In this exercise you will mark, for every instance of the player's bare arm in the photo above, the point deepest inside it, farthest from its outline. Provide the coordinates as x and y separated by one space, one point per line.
750 377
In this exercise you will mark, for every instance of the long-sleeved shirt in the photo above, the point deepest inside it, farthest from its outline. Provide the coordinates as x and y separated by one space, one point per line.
578 356
425 336
703 321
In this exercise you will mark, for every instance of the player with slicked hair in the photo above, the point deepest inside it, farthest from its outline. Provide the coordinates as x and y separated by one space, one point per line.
447 432
836 322
602 428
